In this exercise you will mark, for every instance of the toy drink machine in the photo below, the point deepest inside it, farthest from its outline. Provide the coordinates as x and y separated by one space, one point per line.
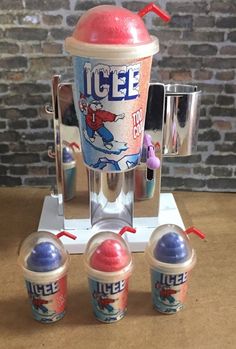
112 129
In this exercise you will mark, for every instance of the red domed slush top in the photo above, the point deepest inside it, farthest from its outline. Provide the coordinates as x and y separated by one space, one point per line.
110 256
112 25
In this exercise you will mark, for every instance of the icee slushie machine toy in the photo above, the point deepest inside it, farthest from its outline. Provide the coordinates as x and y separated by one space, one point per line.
119 126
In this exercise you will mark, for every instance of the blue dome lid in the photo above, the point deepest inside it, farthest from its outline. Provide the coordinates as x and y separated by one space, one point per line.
171 248
66 155
44 257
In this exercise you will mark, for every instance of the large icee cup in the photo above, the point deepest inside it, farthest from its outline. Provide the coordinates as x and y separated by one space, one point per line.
112 52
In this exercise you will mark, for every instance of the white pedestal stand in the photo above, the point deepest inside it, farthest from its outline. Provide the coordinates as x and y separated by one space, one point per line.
52 222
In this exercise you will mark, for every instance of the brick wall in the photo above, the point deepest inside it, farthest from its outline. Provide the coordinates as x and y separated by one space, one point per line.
197 46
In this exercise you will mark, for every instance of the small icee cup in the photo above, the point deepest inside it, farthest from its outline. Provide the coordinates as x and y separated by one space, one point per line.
109 265
44 261
171 259
112 54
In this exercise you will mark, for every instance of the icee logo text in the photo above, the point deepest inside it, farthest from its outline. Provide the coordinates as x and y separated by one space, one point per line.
111 288
173 280
117 82
42 290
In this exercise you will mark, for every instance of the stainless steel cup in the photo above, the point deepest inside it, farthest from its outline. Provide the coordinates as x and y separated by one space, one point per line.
181 119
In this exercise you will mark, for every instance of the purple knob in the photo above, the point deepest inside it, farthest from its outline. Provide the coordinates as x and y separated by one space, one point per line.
152 161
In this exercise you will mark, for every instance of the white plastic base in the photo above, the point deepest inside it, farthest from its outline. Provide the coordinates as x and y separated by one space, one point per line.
52 222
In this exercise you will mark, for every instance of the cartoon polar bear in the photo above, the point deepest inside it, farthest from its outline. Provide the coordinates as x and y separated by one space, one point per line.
95 118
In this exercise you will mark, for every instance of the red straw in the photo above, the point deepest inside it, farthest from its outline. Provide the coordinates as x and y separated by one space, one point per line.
154 8
125 229
66 233
195 231
74 144
157 146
